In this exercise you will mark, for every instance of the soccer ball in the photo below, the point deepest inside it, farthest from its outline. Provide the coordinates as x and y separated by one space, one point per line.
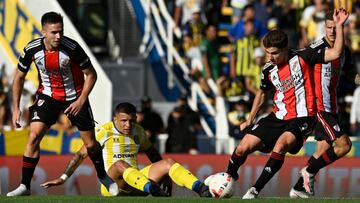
221 185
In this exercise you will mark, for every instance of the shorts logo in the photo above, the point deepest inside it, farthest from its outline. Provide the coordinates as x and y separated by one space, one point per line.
40 102
336 128
304 127
255 126
35 116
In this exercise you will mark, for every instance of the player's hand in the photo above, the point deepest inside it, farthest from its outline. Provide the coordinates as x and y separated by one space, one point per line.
340 16
52 183
244 124
16 118
73 109
166 185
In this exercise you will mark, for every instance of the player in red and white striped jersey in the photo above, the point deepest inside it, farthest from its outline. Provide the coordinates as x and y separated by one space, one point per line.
284 130
61 64
327 129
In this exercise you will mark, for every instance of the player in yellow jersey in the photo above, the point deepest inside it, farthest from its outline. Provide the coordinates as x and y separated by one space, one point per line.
121 139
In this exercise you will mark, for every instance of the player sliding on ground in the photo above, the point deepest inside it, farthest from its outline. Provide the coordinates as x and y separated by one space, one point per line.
121 140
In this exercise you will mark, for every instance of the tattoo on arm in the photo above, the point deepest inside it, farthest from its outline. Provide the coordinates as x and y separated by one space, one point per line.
74 163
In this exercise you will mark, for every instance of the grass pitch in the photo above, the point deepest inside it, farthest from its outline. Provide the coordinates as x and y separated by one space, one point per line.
90 199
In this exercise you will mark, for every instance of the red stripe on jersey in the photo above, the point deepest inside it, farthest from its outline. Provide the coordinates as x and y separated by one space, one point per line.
78 78
309 88
53 68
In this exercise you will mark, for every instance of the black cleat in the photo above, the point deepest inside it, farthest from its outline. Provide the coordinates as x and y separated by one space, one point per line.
204 191
156 191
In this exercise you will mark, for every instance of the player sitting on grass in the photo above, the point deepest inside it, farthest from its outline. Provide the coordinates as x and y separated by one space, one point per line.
121 140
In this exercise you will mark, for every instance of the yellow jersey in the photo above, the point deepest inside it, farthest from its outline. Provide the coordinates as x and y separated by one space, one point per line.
117 146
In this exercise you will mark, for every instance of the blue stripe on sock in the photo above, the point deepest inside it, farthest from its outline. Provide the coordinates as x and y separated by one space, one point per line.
147 187
196 185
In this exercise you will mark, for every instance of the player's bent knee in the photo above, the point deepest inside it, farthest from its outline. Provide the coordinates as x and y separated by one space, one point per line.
169 162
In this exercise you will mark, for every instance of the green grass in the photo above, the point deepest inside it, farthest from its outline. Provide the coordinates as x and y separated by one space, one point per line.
90 199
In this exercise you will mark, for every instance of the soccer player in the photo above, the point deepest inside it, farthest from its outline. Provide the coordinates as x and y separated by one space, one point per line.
284 130
332 142
61 64
121 139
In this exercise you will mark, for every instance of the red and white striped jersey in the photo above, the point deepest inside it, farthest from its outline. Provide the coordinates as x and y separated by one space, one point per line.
60 72
293 82
326 78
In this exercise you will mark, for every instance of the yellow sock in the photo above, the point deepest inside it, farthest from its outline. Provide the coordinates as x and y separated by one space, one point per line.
135 178
181 176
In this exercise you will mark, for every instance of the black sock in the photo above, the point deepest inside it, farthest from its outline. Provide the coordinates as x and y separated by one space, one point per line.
234 163
28 168
273 165
97 159
325 159
300 183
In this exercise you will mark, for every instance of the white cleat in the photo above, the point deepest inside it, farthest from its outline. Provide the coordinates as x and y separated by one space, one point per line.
110 185
251 194
309 180
298 194
19 191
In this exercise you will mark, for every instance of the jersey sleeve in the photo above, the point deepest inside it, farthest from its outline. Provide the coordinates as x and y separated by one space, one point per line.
101 135
25 60
81 57
265 81
313 54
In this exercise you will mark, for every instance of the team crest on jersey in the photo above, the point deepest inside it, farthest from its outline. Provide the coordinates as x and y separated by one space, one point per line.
65 62
40 102
336 128
294 64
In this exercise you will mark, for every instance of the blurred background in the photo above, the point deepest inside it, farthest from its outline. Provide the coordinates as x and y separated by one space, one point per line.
192 68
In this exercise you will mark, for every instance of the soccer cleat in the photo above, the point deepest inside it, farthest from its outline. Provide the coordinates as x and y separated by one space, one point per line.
110 185
251 194
19 191
298 194
204 191
309 180
156 191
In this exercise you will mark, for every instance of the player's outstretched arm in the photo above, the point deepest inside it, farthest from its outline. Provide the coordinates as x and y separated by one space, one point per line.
71 167
340 16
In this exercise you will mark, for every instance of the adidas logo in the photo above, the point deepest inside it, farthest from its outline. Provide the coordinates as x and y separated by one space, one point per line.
35 116
268 169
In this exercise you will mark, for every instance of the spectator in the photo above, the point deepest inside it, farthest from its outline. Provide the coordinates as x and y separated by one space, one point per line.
194 27
151 120
238 30
355 113
184 10
236 117
183 127
312 22
210 54
237 7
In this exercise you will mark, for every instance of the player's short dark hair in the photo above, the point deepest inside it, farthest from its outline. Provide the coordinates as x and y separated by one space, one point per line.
125 107
51 17
329 15
275 38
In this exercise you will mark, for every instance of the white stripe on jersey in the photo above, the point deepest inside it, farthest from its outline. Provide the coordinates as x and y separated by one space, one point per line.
280 94
68 81
325 84
298 77
32 44
39 59
68 43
